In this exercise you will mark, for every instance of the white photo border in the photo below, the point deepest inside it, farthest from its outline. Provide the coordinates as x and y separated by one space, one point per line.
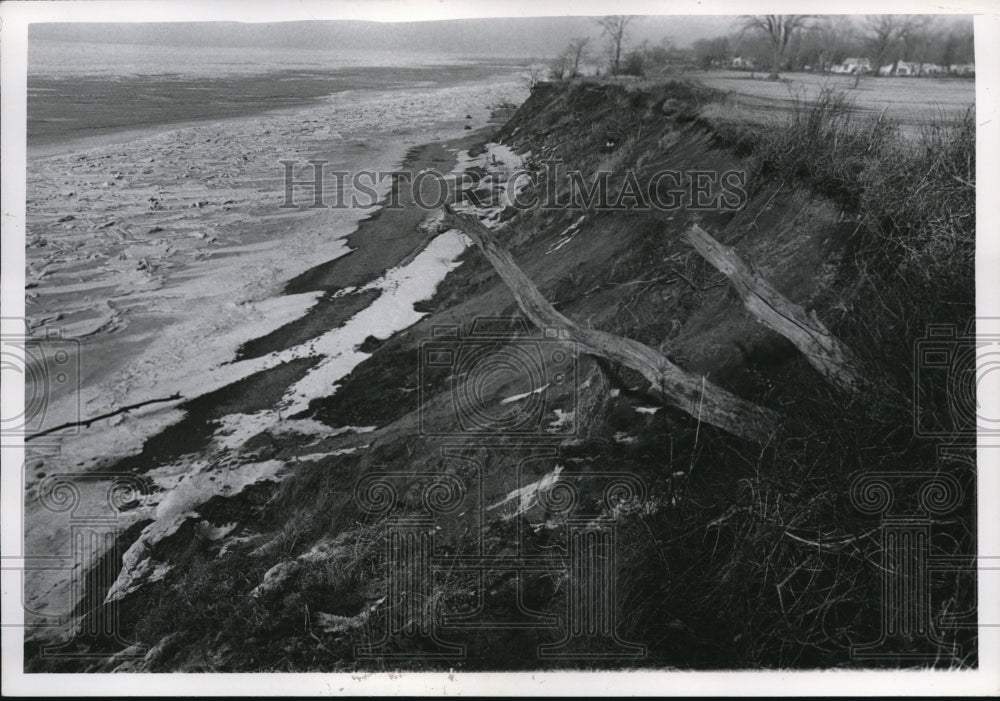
14 20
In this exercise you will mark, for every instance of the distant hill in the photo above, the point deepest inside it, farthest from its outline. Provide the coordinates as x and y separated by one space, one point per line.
531 37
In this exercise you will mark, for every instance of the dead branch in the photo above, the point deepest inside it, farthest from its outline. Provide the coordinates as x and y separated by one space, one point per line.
823 350
87 422
685 390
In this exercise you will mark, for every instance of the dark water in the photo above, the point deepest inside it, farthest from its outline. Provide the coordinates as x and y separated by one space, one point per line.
64 108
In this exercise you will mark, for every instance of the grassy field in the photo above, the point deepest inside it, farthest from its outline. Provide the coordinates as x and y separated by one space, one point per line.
910 102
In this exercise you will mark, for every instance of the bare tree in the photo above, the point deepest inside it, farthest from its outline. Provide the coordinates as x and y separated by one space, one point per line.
559 68
823 44
711 53
884 33
916 39
778 29
615 27
535 72
577 52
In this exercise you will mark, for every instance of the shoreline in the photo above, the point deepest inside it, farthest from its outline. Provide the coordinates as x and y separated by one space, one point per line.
64 111
183 243
367 248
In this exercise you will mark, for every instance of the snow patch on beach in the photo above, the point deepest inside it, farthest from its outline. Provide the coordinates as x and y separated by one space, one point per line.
519 397
194 489
315 457
392 312
563 418
527 496
183 497
311 427
566 236
503 157
503 177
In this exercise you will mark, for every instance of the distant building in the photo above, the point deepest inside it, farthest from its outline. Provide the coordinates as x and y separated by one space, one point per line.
744 63
911 68
850 66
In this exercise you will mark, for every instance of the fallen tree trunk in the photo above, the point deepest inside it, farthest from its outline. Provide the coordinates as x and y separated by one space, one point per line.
822 349
87 422
690 393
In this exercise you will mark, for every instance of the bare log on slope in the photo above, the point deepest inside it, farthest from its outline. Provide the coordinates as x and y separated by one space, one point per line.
822 349
87 422
689 392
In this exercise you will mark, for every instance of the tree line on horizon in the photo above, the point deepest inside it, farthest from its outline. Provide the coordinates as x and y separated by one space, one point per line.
776 43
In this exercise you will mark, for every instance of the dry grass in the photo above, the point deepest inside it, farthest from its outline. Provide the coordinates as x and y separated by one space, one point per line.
907 101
